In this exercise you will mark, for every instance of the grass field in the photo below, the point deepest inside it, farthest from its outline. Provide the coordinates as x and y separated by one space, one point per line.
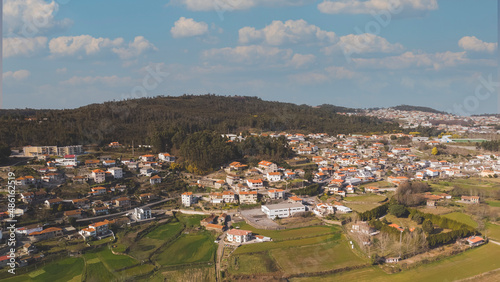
287 234
495 204
323 257
366 198
188 249
362 207
461 217
260 247
493 231
98 272
468 264
60 271
206 274
252 263
165 231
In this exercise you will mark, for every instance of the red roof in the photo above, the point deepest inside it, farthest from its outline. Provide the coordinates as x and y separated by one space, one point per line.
237 232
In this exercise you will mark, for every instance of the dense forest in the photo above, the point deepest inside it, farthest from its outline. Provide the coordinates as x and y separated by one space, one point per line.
417 108
493 145
165 120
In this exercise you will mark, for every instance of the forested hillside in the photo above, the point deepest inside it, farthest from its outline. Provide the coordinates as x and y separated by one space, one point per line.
165 120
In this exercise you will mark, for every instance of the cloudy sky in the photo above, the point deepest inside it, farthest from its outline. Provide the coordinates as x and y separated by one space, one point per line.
355 53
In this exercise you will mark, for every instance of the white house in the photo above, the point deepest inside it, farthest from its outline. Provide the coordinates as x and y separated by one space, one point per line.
255 183
187 199
248 197
141 213
273 176
68 160
99 176
432 172
322 209
282 210
147 171
155 180
276 194
238 236
166 157
117 172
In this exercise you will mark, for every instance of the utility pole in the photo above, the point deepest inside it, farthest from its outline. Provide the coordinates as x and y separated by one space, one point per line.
133 148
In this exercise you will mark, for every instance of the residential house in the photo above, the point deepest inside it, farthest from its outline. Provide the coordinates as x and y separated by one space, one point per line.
187 199
117 172
273 176
99 176
232 179
276 194
46 234
142 213
471 199
166 157
51 202
322 209
255 183
475 241
238 236
265 166
74 213
146 171
122 202
147 158
100 210
248 197
155 180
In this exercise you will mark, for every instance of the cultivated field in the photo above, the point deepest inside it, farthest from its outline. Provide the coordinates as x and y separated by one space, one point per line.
287 234
461 217
252 264
198 247
476 261
69 269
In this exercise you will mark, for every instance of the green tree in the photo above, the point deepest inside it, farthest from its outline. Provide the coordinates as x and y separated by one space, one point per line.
427 226
398 210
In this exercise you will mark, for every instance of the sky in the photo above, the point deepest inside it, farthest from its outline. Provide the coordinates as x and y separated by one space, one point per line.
354 53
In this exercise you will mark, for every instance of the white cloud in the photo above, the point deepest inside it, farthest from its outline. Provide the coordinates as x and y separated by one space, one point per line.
184 27
16 75
376 6
409 59
251 54
291 31
18 46
234 5
61 70
105 80
135 48
363 43
299 60
82 44
328 74
88 45
472 43
30 17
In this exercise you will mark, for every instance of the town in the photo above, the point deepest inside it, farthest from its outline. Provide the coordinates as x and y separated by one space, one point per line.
391 200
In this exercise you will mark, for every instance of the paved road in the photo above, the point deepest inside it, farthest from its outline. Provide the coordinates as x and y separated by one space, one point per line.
220 252
121 213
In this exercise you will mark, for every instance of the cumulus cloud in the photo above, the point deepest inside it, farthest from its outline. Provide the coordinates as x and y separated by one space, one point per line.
327 74
135 48
19 46
299 60
410 59
88 45
472 43
363 43
105 80
234 5
249 54
291 31
184 27
376 6
16 75
29 17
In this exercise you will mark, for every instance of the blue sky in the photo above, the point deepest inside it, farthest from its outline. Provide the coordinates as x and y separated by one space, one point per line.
354 53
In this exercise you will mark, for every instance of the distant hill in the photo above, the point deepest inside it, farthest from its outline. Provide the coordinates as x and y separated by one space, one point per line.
141 120
417 108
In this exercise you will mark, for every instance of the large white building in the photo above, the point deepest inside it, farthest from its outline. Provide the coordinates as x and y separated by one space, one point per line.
141 213
282 210
117 172
99 176
187 199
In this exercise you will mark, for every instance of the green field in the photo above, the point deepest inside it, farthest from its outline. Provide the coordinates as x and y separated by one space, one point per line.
493 231
461 217
366 198
470 263
287 234
495 204
362 207
260 247
60 271
485 185
252 263
188 249
165 231
98 272
323 257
